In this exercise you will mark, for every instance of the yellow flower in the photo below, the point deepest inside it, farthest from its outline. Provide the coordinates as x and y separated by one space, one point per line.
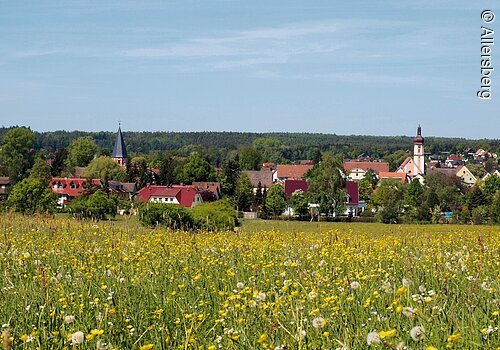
97 332
211 347
388 334
430 347
89 337
454 337
146 347
24 337
262 338
402 290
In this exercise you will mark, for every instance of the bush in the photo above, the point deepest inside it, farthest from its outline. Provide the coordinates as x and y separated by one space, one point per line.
388 215
480 215
214 216
166 215
32 196
97 206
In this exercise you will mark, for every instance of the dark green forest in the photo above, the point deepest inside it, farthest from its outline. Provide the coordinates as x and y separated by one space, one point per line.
286 146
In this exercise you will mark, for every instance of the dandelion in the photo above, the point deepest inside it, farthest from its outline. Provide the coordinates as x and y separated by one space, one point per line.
261 296
77 337
312 295
388 334
417 333
318 322
355 285
146 347
409 311
373 338
103 346
240 285
454 337
402 290
69 319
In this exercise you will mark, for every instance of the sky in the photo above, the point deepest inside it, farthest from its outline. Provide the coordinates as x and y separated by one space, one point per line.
349 68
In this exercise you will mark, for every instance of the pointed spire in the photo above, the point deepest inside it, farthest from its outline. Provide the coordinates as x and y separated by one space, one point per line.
119 151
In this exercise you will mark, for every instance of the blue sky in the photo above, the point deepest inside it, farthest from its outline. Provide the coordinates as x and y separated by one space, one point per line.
365 67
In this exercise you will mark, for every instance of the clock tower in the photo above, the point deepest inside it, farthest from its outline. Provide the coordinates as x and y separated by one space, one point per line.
418 153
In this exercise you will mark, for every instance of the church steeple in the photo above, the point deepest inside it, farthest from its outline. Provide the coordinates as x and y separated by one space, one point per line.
120 152
418 153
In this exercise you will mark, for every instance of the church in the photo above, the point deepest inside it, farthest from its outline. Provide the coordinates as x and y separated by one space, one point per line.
415 167
119 154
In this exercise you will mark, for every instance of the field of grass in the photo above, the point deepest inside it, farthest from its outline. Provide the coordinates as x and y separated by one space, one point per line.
270 285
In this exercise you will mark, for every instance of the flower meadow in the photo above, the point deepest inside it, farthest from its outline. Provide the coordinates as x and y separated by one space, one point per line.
69 284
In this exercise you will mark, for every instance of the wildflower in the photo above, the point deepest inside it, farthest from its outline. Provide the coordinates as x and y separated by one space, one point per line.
430 347
402 290
486 286
77 337
312 295
261 296
405 282
372 338
103 346
96 332
240 285
355 285
454 337
388 334
417 333
146 347
318 322
409 311
262 338
69 319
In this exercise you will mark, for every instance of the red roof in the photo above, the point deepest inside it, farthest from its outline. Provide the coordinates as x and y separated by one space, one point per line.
294 185
185 195
292 171
375 166
72 187
392 175
351 188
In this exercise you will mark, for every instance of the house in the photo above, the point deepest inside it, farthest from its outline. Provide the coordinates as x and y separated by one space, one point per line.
462 172
185 196
454 161
264 177
357 170
270 166
353 205
466 175
403 177
69 188
124 190
4 187
487 175
284 172
210 191
294 185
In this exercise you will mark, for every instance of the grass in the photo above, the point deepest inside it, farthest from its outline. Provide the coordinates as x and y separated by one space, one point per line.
271 285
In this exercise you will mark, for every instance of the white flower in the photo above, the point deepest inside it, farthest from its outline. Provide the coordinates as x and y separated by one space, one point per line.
405 282
318 322
486 286
386 287
240 285
77 337
69 319
322 263
421 288
103 346
372 338
417 333
261 296
409 311
312 295
355 285
301 334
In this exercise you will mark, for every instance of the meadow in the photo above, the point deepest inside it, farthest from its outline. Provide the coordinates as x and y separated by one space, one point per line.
67 284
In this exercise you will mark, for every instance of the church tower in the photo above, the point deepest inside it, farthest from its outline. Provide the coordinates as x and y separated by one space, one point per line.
418 153
120 152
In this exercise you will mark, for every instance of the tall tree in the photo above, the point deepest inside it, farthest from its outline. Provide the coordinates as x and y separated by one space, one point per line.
104 168
81 152
244 193
326 184
17 153
58 162
275 200
230 176
41 171
31 196
250 159
197 169
300 204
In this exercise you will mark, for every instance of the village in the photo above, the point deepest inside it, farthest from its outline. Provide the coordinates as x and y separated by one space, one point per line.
356 174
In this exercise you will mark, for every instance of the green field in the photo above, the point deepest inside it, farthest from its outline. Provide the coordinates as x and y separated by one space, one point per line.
269 285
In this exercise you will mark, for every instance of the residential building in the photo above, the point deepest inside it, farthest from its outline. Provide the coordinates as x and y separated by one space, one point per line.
403 177
264 177
69 188
185 196
294 185
4 187
356 170
285 172
210 191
